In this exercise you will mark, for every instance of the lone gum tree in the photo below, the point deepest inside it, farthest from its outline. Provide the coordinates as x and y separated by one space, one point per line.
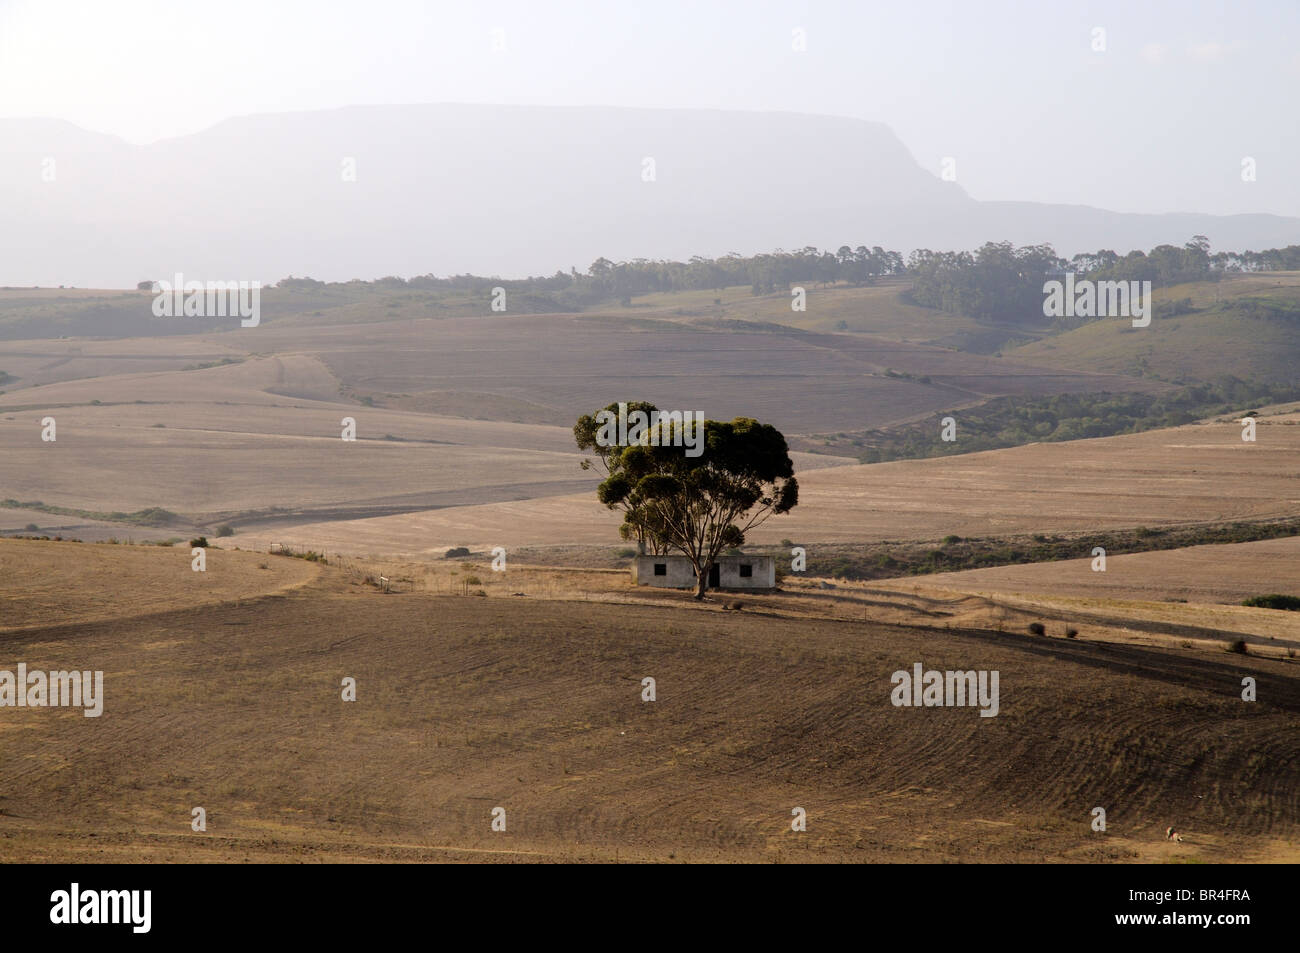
701 505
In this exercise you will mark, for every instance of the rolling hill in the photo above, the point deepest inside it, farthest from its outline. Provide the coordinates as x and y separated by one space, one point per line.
1223 335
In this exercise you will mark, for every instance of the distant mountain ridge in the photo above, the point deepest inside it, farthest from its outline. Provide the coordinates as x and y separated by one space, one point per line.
505 190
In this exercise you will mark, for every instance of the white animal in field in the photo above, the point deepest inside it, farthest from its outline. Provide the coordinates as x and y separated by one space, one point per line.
1173 835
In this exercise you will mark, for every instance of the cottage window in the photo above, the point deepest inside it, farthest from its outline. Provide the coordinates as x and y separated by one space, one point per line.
661 569
746 571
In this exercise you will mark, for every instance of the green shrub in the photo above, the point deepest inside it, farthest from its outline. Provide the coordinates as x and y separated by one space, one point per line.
1274 601
225 531
1037 628
199 542
456 553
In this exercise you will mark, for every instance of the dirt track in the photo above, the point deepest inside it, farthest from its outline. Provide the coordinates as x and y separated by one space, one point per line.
465 704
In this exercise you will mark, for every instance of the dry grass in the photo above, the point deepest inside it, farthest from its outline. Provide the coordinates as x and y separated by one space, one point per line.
49 583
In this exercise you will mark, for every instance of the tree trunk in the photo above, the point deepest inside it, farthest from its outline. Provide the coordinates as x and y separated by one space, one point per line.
701 584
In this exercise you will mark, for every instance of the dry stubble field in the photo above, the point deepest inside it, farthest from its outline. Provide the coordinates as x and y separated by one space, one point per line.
467 703
1199 473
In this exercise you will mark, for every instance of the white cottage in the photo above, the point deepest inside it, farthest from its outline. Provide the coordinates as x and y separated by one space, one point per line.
727 572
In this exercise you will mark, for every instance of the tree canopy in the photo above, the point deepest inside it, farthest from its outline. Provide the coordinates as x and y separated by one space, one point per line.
697 506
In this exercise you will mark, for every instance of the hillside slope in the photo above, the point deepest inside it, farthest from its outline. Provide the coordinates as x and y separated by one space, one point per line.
1224 336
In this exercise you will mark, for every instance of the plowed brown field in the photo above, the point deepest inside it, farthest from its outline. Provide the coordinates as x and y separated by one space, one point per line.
465 704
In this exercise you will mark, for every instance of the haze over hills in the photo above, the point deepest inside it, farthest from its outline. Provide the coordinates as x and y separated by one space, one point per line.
505 190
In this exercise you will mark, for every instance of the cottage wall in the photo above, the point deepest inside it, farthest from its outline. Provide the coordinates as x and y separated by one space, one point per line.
762 572
677 572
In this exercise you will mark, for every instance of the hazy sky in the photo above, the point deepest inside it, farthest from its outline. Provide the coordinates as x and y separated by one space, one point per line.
1160 121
